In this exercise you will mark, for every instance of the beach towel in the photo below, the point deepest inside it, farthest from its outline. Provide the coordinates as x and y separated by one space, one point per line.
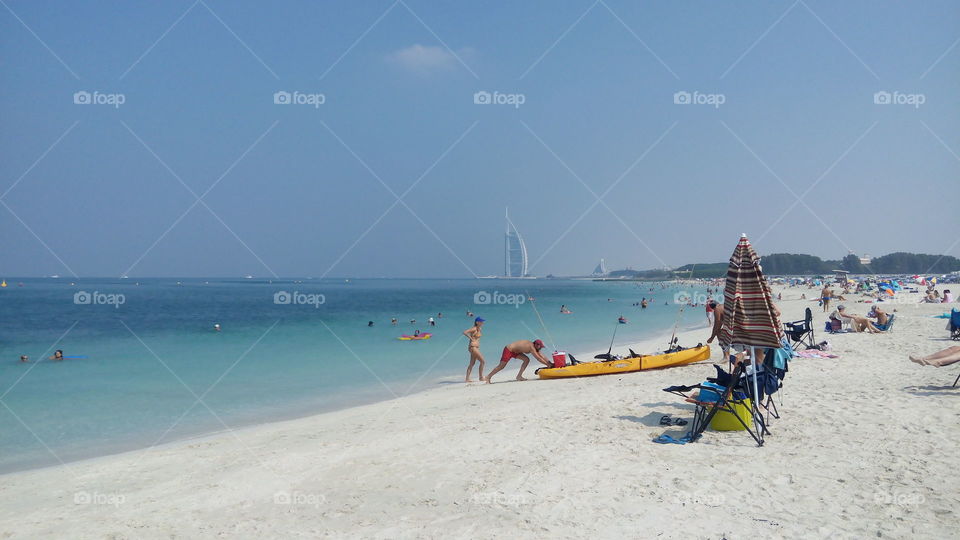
813 353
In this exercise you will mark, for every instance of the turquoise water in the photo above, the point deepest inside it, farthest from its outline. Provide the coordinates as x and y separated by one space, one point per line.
152 352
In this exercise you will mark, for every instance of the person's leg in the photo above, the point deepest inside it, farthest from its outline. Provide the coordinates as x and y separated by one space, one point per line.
495 371
942 358
480 359
948 352
526 360
474 356
473 360
946 361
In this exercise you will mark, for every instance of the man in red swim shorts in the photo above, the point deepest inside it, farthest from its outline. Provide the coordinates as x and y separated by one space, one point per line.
520 349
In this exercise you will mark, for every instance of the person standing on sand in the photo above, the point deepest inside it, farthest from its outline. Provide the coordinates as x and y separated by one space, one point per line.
825 295
474 333
717 320
520 349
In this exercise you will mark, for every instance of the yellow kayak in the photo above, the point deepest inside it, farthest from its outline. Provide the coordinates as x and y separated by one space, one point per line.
626 365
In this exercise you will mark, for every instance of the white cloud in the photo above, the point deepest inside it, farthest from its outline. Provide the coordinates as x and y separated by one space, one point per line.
423 58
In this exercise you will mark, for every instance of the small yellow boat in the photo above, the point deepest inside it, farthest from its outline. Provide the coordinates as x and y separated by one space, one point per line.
626 365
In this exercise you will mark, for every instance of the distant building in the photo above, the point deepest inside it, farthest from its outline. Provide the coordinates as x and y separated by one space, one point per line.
864 259
515 252
601 269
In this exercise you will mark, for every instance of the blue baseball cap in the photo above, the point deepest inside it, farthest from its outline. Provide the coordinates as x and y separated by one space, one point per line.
479 319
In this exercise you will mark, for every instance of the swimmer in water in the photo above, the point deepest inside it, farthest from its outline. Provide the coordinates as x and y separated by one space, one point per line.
24 358
58 355
216 327
369 324
393 321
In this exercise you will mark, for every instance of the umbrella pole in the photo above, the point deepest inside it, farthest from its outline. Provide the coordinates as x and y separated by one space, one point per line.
756 394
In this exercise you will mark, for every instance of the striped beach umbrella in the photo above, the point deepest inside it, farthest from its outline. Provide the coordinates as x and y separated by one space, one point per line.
748 315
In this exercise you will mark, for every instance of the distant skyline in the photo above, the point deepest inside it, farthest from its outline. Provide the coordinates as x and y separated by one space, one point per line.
385 138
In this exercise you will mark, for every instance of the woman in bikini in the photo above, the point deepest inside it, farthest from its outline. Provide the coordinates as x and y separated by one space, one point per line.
474 333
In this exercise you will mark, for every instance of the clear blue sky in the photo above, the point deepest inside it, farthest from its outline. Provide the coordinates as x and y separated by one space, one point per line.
292 184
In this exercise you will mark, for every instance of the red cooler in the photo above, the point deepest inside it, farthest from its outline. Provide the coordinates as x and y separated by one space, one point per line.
559 358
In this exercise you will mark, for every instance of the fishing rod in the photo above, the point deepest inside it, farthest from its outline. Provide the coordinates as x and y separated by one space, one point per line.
608 356
673 337
533 303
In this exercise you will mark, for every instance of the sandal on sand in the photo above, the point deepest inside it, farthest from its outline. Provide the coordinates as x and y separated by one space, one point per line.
665 420
667 439
680 422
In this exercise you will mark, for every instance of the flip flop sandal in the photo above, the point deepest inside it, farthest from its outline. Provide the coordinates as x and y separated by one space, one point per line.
665 420
680 422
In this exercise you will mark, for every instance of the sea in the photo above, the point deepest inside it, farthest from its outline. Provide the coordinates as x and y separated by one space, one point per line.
145 364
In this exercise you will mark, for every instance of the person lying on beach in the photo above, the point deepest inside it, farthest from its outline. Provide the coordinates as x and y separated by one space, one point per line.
950 355
474 333
717 320
520 349
858 322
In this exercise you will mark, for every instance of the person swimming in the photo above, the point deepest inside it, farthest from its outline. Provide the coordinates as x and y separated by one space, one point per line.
58 355
369 324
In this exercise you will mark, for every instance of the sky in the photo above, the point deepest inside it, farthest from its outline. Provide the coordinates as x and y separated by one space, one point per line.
387 138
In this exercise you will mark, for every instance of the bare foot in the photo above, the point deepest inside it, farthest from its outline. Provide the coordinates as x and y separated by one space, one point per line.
471 380
519 378
487 380
920 361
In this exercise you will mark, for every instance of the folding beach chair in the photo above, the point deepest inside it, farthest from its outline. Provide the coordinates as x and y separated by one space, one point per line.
731 398
886 327
801 331
955 332
769 379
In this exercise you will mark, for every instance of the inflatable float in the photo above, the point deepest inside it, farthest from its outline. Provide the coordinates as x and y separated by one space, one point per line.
626 365
414 338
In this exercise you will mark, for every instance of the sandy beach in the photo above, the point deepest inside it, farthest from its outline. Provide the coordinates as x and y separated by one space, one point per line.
866 447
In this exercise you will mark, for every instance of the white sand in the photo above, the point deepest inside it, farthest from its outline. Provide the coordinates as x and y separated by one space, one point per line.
867 446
